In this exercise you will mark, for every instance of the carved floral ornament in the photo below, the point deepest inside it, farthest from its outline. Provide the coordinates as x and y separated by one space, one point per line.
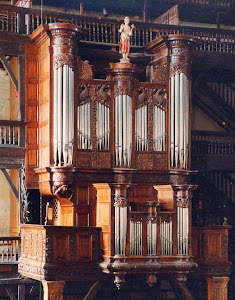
120 201
64 59
182 202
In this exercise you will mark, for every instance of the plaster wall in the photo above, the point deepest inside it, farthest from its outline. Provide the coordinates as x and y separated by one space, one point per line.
201 121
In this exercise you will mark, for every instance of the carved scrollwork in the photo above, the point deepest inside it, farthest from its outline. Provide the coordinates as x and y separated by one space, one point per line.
63 191
120 201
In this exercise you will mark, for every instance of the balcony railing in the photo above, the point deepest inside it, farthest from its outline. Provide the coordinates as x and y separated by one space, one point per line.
10 133
9 249
212 143
105 31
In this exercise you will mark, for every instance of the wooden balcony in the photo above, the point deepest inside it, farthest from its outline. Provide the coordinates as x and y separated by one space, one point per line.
9 253
12 143
60 253
104 31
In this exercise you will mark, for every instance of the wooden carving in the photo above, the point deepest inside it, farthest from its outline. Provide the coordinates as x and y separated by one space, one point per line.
84 70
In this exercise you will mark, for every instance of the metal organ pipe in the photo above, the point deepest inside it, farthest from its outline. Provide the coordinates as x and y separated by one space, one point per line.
84 122
123 130
182 230
63 123
120 230
166 238
141 128
179 120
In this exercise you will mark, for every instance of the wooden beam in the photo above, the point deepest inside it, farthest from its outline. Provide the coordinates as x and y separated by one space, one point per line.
21 291
12 186
21 77
10 293
9 70
93 291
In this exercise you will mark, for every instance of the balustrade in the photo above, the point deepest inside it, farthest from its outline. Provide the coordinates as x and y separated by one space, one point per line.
225 91
9 249
105 31
222 182
10 133
212 143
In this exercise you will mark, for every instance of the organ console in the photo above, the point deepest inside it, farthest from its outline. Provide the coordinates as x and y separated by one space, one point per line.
113 154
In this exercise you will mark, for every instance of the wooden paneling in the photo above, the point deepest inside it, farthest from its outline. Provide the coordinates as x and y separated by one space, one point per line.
103 217
59 252
31 98
165 196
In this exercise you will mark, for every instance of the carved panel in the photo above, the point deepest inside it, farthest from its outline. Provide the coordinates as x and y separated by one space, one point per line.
224 246
159 161
84 159
101 159
160 74
144 161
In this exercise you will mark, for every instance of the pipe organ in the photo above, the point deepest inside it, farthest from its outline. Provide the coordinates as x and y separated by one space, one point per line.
114 143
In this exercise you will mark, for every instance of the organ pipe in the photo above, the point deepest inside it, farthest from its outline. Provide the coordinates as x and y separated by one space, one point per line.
159 130
179 120
141 128
120 230
182 230
63 122
123 130
84 125
166 238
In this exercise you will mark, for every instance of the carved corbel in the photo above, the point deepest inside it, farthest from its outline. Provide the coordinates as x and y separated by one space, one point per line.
63 191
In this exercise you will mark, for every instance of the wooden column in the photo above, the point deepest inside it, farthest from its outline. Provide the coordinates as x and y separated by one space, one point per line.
53 290
217 288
